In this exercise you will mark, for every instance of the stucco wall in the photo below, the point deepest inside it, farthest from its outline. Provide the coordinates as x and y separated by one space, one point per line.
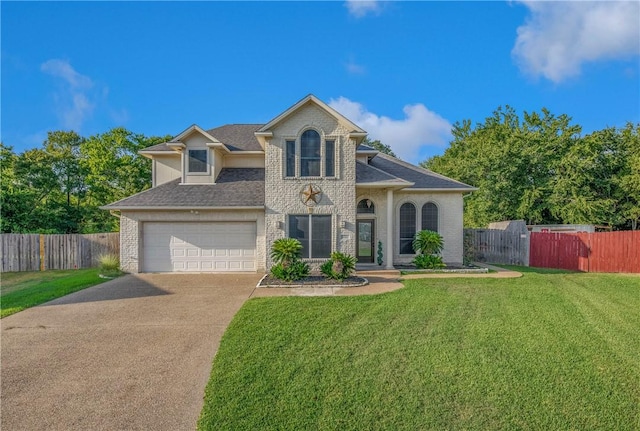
282 195
166 168
132 225
449 220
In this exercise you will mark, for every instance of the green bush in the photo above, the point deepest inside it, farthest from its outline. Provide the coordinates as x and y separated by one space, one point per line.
285 250
109 265
428 242
428 261
339 267
292 271
109 262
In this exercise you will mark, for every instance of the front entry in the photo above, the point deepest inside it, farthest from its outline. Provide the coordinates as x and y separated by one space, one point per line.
366 234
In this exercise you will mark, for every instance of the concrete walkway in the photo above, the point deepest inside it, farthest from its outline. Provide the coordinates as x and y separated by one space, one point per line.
134 353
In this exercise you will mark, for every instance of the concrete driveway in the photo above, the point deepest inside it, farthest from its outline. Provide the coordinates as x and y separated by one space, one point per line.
131 354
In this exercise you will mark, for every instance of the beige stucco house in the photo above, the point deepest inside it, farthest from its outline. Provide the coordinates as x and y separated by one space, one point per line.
220 197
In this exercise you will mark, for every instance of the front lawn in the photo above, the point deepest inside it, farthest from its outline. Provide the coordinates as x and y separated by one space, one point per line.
545 351
21 290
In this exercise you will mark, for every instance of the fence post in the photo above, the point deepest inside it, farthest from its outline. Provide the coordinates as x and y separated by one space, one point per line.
42 266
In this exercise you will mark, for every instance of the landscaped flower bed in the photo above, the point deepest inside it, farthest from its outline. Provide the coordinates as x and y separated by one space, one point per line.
313 280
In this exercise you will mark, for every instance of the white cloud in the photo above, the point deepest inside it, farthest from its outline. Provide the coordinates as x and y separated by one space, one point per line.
73 97
559 37
360 8
408 137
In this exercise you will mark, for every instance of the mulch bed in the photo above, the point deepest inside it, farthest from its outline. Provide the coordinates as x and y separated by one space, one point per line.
312 281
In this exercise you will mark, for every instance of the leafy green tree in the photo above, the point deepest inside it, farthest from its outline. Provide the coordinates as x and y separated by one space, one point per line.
113 170
60 187
628 179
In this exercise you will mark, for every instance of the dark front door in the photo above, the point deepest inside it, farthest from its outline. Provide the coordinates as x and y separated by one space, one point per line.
366 233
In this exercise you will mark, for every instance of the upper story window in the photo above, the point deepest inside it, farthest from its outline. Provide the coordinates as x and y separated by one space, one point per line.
430 217
198 161
291 159
310 147
314 157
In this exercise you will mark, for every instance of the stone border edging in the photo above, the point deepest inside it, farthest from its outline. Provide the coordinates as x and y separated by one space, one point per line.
315 286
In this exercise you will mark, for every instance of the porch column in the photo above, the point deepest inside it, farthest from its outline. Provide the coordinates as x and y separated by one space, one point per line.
389 258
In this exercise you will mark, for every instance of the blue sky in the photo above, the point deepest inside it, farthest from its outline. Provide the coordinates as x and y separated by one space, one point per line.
404 71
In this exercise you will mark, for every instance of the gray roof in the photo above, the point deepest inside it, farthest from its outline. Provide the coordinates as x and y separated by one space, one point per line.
420 177
363 147
235 187
236 137
368 175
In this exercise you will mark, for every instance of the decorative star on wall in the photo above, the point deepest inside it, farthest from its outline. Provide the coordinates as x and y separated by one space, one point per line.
311 195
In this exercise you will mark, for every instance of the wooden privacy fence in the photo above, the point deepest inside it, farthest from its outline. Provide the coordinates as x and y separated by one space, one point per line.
496 246
35 252
589 252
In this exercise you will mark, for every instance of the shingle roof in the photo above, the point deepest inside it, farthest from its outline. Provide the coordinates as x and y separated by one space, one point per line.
363 147
368 175
238 137
158 147
420 177
235 187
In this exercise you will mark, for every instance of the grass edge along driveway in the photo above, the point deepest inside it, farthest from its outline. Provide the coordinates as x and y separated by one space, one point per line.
22 290
545 351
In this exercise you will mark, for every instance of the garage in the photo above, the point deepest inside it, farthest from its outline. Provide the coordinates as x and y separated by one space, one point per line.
199 246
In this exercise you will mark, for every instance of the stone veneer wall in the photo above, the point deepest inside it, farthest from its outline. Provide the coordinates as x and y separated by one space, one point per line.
282 195
132 225
450 224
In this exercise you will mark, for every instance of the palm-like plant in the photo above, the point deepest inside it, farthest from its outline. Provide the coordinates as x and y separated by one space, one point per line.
428 242
285 250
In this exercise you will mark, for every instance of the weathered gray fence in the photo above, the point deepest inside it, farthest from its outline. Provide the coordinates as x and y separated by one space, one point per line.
34 252
497 246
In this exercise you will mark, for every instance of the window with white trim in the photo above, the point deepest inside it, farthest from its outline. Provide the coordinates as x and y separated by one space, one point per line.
314 233
314 157
198 161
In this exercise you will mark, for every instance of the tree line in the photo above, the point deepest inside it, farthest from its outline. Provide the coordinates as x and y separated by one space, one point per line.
59 187
541 169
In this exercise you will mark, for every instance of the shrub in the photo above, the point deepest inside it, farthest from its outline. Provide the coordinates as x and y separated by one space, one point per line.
380 253
428 242
109 262
291 271
109 265
428 261
285 250
339 267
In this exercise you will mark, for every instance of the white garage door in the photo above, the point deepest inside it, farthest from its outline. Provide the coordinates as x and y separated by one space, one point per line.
199 247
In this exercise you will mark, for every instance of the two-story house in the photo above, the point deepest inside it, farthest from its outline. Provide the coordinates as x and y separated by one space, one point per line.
221 197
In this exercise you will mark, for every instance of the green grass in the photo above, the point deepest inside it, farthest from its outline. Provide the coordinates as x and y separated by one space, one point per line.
541 352
21 290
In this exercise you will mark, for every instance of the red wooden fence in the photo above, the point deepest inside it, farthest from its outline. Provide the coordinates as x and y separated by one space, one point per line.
589 252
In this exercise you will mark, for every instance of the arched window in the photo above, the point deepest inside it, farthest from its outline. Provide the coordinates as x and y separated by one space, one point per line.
310 144
407 227
366 206
430 217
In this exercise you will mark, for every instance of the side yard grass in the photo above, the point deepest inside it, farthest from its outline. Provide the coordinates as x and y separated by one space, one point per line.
545 351
21 290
